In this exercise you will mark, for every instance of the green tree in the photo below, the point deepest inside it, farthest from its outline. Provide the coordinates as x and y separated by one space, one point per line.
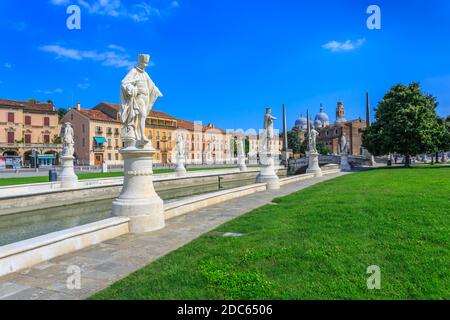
56 139
405 123
61 113
294 142
322 148
33 100
441 141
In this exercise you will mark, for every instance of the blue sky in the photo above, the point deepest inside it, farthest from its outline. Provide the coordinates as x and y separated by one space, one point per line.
225 61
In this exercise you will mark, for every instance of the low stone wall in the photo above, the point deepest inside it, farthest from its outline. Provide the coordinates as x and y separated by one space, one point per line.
29 198
27 253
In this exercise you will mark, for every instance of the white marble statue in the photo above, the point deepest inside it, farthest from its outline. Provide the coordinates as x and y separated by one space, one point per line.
68 142
138 94
343 146
240 147
269 132
180 146
312 141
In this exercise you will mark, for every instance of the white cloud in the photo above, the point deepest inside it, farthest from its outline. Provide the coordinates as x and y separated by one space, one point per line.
107 58
349 45
84 85
7 65
139 11
116 47
58 90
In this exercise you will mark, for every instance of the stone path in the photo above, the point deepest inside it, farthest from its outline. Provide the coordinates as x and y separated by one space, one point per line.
105 263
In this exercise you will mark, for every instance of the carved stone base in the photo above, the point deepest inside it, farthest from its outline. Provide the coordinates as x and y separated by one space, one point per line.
345 165
180 169
68 178
268 174
138 199
313 166
241 164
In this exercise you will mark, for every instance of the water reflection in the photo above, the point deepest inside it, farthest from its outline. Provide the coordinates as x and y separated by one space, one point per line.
35 223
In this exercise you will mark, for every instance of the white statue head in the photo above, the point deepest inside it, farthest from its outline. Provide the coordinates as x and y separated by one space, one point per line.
143 60
268 110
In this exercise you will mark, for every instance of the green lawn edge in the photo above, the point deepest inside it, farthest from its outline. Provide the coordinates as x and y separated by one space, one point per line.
317 244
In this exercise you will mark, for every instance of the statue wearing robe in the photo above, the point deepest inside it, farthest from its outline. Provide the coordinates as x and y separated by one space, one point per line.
268 134
138 94
312 145
68 142
180 146
343 145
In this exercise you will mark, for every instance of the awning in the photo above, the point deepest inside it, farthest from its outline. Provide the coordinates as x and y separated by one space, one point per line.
46 156
100 140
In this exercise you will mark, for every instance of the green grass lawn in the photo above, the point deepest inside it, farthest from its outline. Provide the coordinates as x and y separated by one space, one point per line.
85 176
318 244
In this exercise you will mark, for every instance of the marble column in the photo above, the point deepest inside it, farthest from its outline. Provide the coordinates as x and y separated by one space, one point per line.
138 199
268 174
180 169
313 164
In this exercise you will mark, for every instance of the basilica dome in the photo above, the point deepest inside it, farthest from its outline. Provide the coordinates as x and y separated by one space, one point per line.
322 119
301 123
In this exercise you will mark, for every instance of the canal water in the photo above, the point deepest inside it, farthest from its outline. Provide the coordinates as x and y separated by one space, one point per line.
26 225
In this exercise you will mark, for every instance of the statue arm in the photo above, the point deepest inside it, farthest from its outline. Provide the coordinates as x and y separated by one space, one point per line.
129 84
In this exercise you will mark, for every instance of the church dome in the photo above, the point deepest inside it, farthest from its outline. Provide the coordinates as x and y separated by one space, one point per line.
301 123
322 118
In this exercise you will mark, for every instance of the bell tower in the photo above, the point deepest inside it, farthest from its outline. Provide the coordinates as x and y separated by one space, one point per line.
340 112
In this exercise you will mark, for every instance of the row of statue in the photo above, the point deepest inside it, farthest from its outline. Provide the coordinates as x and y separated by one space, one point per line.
138 94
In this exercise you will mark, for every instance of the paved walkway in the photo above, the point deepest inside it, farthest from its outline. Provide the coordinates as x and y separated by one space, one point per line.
105 263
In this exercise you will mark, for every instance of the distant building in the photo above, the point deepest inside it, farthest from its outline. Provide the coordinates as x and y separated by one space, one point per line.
27 129
330 134
97 135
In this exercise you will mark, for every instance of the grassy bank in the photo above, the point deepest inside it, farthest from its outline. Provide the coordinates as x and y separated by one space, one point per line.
318 244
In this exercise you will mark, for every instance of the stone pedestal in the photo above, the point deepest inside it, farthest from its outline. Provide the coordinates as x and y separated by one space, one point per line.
180 169
241 163
104 167
345 165
68 178
313 164
268 174
138 199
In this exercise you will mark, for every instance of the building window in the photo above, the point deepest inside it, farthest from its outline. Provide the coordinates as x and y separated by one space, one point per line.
28 120
46 138
109 157
46 121
116 131
71 116
117 157
28 138
11 117
83 127
84 142
98 130
117 143
10 137
109 130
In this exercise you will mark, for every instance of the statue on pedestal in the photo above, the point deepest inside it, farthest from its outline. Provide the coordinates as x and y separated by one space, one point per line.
180 146
138 94
269 133
68 178
138 200
343 146
68 142
312 140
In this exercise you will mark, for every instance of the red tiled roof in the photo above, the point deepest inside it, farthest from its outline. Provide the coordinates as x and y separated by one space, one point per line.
153 113
29 106
97 115
186 125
